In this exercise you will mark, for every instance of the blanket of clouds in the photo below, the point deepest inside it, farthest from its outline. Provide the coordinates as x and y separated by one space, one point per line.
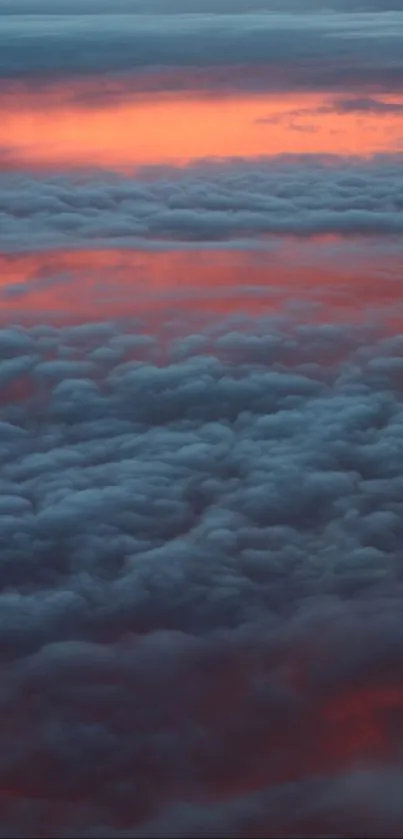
205 203
201 513
201 581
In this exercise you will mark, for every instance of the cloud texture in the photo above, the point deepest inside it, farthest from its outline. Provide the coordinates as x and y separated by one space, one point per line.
201 567
205 203
299 49
201 582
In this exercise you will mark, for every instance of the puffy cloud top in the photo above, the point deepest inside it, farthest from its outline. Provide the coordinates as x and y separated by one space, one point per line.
200 581
206 203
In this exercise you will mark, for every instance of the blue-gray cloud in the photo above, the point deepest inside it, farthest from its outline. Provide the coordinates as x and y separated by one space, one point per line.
113 7
301 196
200 557
365 104
338 105
305 50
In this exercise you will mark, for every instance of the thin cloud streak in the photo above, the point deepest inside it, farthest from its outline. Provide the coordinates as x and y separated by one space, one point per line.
111 7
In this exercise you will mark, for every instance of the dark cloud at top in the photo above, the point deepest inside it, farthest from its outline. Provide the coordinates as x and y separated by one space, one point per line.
14 7
309 49
201 582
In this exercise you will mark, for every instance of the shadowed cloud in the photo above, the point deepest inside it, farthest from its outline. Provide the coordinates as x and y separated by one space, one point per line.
294 196
201 582
302 49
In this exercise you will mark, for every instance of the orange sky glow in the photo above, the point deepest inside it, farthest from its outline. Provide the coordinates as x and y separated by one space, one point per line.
49 131
91 284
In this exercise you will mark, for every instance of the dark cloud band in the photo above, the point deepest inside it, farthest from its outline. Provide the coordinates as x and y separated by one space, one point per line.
85 7
295 196
316 49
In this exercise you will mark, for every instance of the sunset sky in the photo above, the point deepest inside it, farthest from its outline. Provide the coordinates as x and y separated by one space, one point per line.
201 418
143 126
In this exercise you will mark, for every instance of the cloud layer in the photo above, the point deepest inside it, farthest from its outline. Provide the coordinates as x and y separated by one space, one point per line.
55 7
301 197
299 50
201 582
201 578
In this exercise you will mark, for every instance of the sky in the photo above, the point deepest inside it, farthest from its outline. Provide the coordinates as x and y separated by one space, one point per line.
201 414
